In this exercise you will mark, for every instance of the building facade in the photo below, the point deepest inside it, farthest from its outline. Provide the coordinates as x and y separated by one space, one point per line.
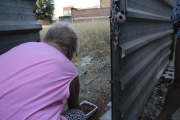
67 10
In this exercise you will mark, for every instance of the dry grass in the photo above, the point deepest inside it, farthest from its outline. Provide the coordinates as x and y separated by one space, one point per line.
93 35
44 31
94 38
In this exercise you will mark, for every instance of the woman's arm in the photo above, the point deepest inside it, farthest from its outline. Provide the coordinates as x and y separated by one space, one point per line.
73 101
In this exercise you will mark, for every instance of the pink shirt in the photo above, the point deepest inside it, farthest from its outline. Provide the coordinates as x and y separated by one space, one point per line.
34 82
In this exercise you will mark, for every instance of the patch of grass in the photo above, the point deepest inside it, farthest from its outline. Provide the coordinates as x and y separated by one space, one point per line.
94 38
44 31
93 35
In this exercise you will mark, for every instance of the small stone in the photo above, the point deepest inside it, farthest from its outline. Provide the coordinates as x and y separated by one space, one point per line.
145 111
100 60
84 72
108 107
99 67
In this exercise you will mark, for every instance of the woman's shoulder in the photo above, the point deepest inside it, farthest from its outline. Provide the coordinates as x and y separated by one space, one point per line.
66 65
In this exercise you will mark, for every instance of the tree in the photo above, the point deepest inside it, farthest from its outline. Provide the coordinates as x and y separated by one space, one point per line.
44 9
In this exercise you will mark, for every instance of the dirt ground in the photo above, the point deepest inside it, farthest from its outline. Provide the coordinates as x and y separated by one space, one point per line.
98 91
95 85
155 103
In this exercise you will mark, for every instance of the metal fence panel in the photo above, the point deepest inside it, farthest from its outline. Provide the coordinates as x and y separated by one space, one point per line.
145 46
18 23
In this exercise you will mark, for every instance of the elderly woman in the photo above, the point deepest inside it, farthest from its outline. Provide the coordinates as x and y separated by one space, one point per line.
37 78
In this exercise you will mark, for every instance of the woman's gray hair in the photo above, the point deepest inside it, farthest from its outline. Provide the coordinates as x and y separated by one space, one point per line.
64 35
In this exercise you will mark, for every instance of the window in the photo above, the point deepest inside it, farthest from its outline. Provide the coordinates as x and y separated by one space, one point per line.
65 12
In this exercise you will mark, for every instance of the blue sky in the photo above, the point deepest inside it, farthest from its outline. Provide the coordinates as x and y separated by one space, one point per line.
59 4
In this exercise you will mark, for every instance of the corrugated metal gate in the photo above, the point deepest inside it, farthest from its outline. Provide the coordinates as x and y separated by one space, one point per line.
145 47
18 23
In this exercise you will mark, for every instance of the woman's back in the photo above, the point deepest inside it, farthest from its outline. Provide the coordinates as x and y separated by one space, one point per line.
34 82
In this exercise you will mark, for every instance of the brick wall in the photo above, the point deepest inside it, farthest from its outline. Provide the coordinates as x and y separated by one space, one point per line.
89 20
43 22
91 12
89 15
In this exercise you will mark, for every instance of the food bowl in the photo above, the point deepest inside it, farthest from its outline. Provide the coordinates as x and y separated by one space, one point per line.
92 111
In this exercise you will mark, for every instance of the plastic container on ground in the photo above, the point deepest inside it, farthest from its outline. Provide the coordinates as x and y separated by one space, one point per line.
92 111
